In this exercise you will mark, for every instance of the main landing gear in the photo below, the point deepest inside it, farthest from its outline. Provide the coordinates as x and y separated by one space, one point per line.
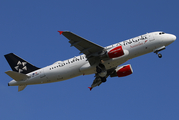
101 72
100 76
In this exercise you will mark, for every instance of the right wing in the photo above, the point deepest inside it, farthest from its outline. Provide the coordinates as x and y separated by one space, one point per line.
90 49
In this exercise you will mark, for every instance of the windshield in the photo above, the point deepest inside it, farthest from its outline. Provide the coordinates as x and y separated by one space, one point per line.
161 33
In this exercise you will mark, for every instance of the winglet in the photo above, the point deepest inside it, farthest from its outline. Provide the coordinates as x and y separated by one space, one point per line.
90 88
60 32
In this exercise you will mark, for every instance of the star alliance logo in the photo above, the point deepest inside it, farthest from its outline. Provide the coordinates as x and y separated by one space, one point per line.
21 66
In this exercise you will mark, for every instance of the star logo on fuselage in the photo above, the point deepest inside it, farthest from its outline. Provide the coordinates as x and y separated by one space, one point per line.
21 66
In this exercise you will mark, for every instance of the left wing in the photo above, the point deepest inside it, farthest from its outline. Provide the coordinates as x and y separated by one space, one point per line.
98 80
90 49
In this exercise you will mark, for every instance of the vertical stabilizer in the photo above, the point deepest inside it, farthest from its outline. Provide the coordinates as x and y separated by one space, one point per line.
19 65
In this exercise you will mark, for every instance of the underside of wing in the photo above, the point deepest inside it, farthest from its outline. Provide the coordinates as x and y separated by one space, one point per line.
90 49
98 80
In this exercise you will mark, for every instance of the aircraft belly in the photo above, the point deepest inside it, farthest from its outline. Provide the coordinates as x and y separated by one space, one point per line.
64 73
71 72
87 69
115 62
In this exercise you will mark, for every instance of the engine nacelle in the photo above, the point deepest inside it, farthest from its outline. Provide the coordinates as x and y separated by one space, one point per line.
115 52
122 71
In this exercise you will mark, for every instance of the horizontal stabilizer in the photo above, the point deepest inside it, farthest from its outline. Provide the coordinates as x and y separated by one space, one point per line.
21 87
17 76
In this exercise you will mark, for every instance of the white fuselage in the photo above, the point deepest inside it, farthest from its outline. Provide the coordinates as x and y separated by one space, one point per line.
63 70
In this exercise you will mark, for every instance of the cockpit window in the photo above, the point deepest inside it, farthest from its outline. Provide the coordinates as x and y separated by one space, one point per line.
161 33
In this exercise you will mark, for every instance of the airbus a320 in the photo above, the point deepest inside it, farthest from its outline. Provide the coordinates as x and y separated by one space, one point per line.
98 60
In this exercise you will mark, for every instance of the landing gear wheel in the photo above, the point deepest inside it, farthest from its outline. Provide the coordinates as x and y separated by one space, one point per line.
160 55
103 79
98 70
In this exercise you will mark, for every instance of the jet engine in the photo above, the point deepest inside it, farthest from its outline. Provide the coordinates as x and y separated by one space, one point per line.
122 71
113 52
116 52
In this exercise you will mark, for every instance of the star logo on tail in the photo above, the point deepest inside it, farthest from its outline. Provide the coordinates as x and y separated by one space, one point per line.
21 66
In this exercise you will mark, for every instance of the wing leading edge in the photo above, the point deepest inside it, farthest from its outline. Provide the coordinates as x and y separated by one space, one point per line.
90 49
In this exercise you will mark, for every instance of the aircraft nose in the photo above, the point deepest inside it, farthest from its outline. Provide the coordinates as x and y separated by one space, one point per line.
169 38
173 38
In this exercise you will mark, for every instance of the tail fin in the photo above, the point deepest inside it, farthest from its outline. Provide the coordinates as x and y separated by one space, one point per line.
19 65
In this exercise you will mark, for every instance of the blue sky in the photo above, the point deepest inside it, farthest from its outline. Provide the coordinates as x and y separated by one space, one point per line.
29 29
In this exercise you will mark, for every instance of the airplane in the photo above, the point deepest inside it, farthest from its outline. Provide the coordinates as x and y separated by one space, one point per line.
98 60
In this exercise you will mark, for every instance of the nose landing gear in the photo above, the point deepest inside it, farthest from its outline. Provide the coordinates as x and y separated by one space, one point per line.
159 55
158 50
